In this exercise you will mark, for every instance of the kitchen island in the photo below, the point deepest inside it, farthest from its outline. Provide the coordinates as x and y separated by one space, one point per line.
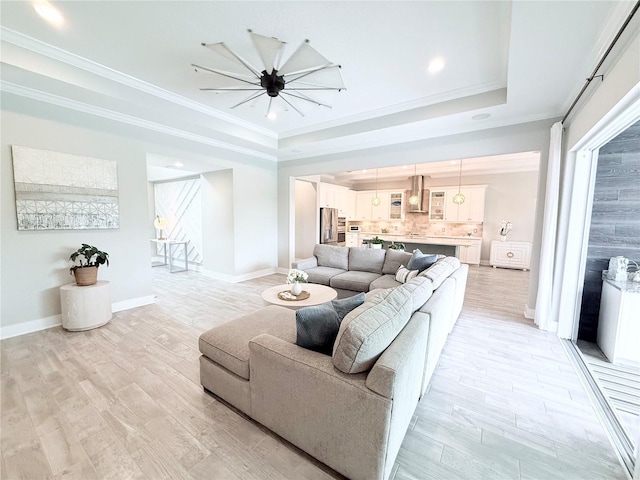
465 248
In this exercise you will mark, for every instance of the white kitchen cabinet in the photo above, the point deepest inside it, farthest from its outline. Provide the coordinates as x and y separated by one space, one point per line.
510 254
363 205
470 254
396 205
351 239
472 210
335 196
381 212
437 205
350 209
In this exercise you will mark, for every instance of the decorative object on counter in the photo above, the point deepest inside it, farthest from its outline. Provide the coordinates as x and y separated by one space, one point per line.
89 258
505 227
160 224
376 242
620 270
397 246
458 198
375 201
288 296
295 278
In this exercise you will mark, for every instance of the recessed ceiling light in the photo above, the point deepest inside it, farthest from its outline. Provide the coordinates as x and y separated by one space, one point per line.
50 13
481 116
364 171
436 65
178 164
272 115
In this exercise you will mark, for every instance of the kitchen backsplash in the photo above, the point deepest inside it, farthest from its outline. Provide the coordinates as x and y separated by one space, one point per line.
419 223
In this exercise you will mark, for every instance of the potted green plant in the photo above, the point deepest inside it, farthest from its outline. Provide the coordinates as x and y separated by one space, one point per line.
376 242
88 259
397 246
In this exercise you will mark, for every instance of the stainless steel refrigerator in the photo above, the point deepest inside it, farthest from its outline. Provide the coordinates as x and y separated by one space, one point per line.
329 225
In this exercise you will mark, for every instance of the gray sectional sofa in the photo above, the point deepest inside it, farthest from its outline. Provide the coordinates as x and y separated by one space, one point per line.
350 409
350 270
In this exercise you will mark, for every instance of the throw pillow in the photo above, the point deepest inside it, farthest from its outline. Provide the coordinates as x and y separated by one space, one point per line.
421 261
345 305
317 328
403 275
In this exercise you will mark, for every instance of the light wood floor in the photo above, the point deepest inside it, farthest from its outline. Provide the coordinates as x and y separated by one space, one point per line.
124 401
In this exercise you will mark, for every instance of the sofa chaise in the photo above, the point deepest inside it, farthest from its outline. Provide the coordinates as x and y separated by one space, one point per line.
350 409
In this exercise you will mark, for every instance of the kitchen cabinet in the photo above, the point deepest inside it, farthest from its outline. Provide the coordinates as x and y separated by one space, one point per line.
363 205
437 205
510 254
350 208
472 210
381 212
335 196
470 254
396 205
351 239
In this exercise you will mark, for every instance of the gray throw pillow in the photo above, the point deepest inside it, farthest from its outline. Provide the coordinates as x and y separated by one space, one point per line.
345 305
421 261
317 328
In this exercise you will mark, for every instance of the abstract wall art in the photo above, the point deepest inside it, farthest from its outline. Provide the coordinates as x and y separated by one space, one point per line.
59 191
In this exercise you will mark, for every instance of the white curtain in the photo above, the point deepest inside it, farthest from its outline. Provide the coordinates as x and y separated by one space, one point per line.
547 252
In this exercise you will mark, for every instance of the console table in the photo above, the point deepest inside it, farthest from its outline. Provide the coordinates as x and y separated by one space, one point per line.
510 254
169 254
85 307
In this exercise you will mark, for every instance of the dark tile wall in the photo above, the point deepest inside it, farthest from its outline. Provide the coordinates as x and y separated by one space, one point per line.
615 220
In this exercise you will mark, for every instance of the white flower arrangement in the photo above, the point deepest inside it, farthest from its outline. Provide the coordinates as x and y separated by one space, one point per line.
505 227
297 276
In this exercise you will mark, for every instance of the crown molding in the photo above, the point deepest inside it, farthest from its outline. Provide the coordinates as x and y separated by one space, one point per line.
29 43
382 141
397 108
40 96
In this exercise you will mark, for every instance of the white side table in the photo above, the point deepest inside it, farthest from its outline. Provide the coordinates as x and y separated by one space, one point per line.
87 307
171 243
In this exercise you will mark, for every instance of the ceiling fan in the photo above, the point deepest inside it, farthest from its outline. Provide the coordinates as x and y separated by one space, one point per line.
305 70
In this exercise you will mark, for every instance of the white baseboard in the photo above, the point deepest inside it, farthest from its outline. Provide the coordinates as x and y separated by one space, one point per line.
56 320
529 313
133 303
29 327
239 278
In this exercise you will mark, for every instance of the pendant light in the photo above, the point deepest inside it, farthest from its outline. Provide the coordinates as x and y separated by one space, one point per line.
413 199
458 198
375 201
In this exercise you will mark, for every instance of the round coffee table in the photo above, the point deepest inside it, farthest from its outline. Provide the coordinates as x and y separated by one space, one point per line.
317 294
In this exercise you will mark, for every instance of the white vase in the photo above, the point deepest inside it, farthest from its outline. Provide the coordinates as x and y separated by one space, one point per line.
296 288
376 245
503 238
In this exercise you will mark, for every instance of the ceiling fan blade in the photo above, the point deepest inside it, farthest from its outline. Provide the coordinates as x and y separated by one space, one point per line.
304 58
307 98
270 50
251 97
232 89
291 105
224 74
328 76
221 49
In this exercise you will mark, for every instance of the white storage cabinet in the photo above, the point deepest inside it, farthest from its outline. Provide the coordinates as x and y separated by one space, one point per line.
510 254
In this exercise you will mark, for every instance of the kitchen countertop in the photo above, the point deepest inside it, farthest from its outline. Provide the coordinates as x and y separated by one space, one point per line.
424 239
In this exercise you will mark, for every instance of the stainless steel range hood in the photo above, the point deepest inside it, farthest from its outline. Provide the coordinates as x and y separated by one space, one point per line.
417 188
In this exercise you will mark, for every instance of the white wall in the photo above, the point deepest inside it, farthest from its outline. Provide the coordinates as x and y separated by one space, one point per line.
217 222
30 297
306 215
35 263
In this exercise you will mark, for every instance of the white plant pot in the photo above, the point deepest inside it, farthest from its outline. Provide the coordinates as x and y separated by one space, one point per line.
503 238
376 245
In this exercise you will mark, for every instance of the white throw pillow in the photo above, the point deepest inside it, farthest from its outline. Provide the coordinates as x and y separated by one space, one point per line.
403 275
